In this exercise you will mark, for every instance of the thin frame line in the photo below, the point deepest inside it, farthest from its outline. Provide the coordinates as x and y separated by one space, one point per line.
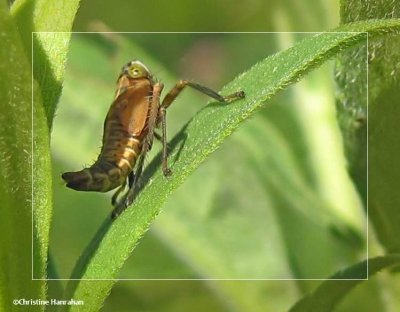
33 155
367 203
196 279
199 279
198 32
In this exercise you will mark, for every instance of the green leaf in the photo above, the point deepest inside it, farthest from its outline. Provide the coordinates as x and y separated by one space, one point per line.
383 126
38 23
26 238
48 56
205 132
330 292
384 172
16 115
351 77
77 215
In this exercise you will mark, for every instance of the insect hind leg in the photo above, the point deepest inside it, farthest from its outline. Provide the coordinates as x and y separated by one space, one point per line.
114 199
171 96
116 194
134 187
131 179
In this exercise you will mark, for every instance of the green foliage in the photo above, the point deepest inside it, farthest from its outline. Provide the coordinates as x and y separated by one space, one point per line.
383 94
22 233
210 242
206 132
189 239
16 179
330 292
209 16
38 22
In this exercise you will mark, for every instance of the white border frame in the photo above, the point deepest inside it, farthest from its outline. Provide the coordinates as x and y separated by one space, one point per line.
201 279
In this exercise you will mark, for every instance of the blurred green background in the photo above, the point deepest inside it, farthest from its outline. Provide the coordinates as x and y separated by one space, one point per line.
274 202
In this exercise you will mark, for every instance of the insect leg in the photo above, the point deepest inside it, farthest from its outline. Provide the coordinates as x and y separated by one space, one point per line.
158 136
181 84
129 196
116 194
163 114
151 124
133 180
171 96
130 180
163 139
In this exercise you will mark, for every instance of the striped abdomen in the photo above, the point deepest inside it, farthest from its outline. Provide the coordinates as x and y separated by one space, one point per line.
116 160
124 130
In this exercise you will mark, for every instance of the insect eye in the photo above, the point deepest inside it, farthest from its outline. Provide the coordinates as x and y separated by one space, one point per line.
135 72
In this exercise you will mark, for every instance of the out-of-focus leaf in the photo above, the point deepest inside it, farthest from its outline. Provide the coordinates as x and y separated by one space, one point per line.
382 58
351 76
205 133
18 238
330 292
211 16
383 95
38 23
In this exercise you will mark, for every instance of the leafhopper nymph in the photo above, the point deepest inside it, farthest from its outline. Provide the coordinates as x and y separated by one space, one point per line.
129 131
